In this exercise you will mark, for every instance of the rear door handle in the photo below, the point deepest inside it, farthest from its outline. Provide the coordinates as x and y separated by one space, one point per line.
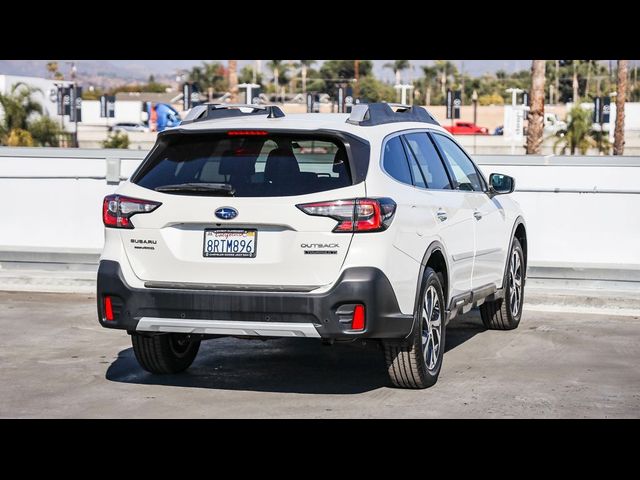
442 215
477 214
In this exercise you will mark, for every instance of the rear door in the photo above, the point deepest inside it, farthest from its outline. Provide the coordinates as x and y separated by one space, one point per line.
488 218
440 204
270 173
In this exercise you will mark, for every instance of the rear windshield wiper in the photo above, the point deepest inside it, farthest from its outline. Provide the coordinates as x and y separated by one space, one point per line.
202 188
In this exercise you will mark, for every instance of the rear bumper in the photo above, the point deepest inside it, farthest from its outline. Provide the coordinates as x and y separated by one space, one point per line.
219 312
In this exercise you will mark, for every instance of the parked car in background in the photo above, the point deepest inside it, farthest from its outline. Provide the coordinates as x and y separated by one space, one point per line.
129 127
466 128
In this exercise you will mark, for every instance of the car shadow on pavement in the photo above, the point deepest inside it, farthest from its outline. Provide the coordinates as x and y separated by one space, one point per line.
282 365
462 329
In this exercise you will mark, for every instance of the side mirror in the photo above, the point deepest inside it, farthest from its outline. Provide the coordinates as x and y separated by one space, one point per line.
501 184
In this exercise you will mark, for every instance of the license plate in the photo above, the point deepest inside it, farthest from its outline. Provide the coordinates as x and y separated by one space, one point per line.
230 243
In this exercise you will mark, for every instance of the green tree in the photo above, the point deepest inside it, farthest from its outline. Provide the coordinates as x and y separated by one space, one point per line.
23 122
429 83
336 72
246 75
304 68
279 73
373 90
398 66
94 94
116 140
52 68
17 106
578 135
209 75
45 132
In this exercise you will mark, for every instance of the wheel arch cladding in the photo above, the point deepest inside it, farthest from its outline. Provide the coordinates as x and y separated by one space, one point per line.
436 258
521 234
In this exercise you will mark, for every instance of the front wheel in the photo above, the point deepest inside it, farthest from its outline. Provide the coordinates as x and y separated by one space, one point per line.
166 352
505 313
418 363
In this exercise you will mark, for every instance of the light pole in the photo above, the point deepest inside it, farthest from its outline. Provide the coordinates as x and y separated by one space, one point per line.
515 119
474 99
403 92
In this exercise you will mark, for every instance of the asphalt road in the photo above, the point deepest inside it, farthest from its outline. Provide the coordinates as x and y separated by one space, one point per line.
56 361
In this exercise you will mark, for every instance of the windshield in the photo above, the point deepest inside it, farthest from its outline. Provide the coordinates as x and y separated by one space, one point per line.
252 165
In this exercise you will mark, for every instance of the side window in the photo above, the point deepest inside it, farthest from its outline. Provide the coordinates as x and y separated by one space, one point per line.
394 161
462 169
426 155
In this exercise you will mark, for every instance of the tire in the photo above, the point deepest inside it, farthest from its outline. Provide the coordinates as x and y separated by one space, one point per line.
505 313
165 353
407 364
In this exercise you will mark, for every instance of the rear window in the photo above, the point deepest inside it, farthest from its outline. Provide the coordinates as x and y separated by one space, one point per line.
253 165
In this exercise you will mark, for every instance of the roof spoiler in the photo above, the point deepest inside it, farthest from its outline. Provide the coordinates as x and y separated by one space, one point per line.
370 114
214 111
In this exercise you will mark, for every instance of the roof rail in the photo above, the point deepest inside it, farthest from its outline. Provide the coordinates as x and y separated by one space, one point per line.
369 114
213 111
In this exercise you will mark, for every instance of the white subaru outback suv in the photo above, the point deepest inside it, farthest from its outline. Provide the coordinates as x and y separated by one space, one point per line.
248 223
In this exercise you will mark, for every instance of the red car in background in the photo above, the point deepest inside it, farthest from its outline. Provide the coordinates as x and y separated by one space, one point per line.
466 128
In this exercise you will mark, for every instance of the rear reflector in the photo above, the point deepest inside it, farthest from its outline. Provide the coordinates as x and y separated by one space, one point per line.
357 323
246 133
108 309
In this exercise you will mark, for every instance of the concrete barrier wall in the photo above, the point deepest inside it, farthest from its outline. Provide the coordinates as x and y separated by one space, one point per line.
580 211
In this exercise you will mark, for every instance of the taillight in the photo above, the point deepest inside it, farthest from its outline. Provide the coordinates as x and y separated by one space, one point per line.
118 210
356 214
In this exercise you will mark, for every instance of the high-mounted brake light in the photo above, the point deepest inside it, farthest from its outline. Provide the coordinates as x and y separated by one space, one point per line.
246 133
355 215
118 210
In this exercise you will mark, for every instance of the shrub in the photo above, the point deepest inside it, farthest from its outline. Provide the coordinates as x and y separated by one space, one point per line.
19 138
116 140
491 99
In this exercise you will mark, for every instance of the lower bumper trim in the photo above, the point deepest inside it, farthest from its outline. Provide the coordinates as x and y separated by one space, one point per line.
225 327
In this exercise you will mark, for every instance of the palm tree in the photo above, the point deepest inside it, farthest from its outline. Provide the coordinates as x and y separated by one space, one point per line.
304 66
397 66
618 136
430 77
209 77
536 114
578 136
18 105
276 67
52 68
448 71
233 80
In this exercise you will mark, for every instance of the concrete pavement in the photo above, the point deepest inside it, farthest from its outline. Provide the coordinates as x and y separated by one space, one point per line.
55 361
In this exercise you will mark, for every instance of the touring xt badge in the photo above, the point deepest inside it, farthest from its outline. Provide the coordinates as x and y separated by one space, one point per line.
320 248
